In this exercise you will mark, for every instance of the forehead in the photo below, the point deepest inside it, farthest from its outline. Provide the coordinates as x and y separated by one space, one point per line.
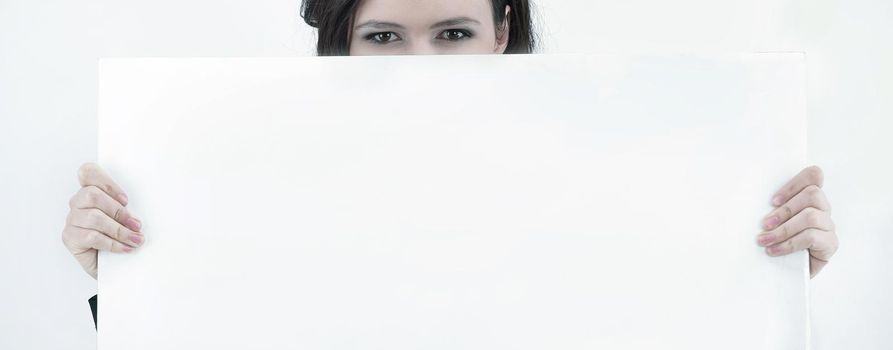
422 12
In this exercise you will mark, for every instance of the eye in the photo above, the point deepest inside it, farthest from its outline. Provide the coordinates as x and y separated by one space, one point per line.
382 37
454 34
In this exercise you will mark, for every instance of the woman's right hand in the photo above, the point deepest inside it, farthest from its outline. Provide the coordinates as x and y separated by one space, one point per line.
99 219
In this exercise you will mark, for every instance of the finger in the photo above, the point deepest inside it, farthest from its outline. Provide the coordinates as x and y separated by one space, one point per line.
807 218
80 239
810 176
814 239
820 243
95 219
91 174
811 196
92 197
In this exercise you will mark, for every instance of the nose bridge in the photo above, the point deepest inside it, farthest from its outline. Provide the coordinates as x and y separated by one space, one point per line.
421 47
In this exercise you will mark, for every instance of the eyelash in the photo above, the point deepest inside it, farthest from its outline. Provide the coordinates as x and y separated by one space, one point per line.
371 38
465 35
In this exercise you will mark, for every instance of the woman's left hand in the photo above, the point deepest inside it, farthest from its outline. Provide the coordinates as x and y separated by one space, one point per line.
801 220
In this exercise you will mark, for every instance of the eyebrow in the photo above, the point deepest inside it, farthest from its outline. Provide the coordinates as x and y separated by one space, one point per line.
454 22
376 24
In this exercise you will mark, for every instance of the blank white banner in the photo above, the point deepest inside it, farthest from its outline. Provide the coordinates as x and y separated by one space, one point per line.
453 202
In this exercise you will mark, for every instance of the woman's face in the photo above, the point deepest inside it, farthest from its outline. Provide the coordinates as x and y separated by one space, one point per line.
426 27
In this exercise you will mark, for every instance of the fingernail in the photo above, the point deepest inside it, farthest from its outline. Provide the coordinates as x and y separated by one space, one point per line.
770 222
123 198
777 200
127 249
774 250
133 224
765 239
135 238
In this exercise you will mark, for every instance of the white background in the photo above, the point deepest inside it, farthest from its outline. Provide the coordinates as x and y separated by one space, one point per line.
49 48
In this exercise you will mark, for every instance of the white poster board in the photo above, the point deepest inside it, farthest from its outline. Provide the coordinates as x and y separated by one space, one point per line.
452 202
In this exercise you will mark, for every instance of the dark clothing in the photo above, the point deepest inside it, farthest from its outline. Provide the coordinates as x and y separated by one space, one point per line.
93 301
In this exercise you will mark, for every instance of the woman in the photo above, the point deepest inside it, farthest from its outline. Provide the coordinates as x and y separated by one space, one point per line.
99 218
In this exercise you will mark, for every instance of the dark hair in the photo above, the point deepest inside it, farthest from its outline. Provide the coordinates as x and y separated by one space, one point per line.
333 20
